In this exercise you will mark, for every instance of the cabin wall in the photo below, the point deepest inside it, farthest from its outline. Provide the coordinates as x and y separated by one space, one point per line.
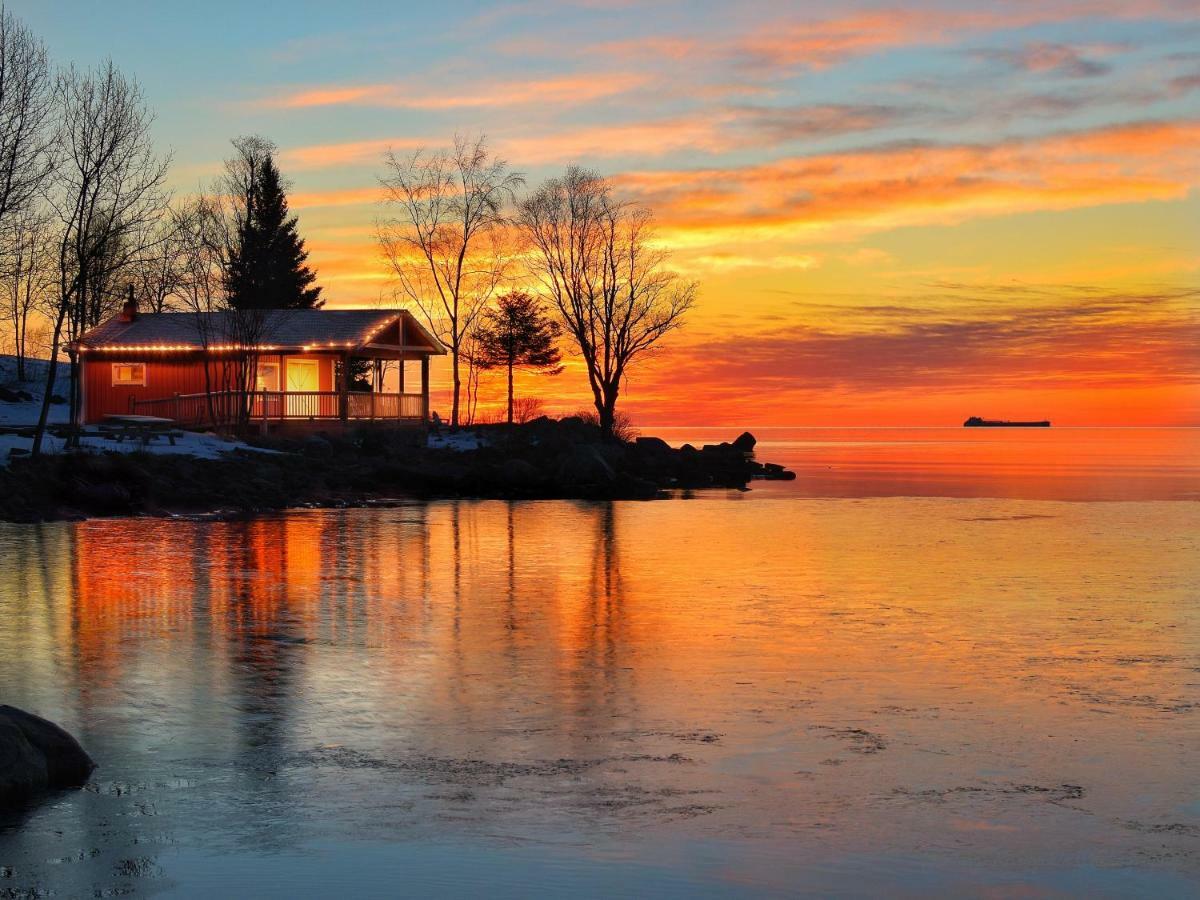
165 378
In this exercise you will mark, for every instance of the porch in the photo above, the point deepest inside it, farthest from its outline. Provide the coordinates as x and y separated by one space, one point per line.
266 407
306 366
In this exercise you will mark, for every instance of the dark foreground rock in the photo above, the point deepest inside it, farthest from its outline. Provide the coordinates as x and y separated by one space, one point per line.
36 755
544 459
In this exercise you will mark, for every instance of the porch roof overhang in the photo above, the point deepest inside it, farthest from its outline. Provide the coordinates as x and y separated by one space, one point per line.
310 331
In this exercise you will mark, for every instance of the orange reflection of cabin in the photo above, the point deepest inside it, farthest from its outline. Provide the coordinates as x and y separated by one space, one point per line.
274 367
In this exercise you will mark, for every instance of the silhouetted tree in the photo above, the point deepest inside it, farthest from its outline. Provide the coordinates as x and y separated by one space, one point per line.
27 106
518 334
157 273
107 192
26 162
446 241
596 263
267 263
27 280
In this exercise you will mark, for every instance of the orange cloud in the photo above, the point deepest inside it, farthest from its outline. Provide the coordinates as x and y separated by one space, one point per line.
562 91
815 43
320 156
860 191
340 197
1075 353
715 130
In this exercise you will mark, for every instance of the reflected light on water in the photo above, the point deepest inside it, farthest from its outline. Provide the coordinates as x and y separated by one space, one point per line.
1002 690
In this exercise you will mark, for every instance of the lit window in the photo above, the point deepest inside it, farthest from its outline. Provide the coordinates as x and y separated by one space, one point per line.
128 374
268 376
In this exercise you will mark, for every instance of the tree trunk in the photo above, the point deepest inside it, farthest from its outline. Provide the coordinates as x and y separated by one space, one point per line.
20 327
51 371
608 411
510 393
457 389
76 400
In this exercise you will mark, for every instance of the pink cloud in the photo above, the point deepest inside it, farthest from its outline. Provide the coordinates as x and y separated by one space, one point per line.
560 91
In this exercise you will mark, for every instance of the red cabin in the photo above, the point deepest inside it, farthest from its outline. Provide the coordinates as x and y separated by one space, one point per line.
272 367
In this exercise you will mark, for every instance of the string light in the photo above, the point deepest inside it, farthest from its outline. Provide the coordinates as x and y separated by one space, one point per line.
392 319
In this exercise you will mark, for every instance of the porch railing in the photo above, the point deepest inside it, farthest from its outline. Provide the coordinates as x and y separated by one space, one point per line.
231 407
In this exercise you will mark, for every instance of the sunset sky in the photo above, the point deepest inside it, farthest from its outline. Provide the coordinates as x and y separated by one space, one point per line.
897 214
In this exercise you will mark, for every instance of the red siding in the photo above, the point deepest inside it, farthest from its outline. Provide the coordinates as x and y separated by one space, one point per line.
164 378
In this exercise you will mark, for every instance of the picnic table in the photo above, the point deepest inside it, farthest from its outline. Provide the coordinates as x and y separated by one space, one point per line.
143 428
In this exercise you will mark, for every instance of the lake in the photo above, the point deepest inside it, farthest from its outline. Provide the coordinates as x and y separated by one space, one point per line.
942 661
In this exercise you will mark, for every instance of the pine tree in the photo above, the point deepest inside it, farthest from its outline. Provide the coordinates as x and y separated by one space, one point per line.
518 334
267 268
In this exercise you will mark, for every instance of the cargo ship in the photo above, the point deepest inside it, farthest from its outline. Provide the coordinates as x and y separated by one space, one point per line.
977 422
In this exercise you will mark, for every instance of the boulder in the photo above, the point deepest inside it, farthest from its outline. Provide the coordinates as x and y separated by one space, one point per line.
745 442
652 445
36 755
318 446
578 431
519 473
104 496
9 396
584 465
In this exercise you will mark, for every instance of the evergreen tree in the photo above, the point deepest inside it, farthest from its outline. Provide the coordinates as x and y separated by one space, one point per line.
267 266
518 334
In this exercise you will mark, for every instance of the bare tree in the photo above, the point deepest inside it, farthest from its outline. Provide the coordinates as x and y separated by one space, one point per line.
200 288
26 111
595 260
157 271
26 106
229 336
26 277
446 240
108 191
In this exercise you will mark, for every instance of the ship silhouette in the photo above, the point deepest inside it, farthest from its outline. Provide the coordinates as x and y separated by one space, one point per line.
978 422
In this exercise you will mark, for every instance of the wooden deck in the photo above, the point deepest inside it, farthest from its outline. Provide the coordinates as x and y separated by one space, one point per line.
230 407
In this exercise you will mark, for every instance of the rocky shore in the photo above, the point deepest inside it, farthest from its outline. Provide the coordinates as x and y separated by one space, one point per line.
36 755
546 458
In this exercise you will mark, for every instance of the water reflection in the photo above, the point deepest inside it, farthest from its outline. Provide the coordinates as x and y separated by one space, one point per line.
821 692
1027 463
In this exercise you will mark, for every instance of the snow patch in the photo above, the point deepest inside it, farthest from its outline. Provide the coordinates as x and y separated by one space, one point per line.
457 441
24 414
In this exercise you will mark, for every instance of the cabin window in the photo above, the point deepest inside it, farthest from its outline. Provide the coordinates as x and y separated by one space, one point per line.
268 376
129 374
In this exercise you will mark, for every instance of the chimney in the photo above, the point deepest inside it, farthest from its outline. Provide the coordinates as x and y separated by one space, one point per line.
129 309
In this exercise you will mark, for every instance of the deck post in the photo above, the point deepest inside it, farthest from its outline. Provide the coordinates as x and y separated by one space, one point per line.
344 389
425 388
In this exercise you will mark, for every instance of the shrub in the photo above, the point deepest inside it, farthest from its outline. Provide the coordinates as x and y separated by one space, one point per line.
623 429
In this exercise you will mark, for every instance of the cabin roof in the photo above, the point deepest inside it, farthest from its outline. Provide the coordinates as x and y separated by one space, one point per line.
279 329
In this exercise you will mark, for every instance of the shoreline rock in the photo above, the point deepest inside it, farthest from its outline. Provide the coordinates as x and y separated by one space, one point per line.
37 756
543 459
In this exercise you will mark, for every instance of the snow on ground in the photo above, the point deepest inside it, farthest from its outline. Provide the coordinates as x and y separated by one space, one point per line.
25 413
204 446
459 441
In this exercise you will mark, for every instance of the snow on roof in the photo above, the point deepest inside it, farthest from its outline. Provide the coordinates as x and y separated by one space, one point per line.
280 329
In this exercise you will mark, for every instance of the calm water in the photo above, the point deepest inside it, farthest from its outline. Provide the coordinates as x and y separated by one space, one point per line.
925 667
